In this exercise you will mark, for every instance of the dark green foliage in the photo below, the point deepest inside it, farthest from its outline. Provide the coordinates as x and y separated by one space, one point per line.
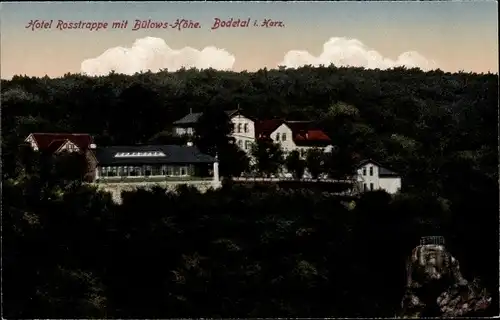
69 166
233 161
212 137
212 131
268 157
259 251
315 162
340 163
295 165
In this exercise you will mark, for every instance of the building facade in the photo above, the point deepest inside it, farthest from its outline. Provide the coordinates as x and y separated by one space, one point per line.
373 176
56 143
152 161
130 163
294 135
290 135
59 142
187 124
243 131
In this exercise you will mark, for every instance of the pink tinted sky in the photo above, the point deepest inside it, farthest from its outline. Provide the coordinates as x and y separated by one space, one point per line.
454 35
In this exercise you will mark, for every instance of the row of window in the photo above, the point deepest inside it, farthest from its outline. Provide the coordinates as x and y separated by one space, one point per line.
371 171
283 137
238 128
302 152
365 187
139 154
182 131
143 171
246 146
71 147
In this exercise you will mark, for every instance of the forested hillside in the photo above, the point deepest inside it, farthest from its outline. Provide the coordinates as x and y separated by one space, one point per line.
68 251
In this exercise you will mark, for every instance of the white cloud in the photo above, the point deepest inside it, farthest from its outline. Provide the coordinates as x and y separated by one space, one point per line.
154 54
343 52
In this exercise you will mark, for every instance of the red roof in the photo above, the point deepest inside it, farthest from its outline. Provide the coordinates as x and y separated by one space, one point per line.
55 145
297 126
305 133
311 137
264 128
53 141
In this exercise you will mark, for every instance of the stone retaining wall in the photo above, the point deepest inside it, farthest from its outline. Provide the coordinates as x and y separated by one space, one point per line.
117 188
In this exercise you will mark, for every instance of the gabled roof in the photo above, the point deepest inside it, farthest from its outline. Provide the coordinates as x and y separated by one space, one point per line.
264 128
304 133
171 154
231 113
312 138
190 118
297 126
367 161
193 118
53 141
56 144
382 171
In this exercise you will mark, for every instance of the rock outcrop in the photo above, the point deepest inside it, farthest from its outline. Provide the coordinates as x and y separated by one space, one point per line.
435 286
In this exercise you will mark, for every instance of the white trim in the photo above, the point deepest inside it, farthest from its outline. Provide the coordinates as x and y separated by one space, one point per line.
32 141
30 138
274 132
65 145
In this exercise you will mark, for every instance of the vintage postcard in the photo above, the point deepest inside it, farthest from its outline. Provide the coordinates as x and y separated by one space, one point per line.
249 159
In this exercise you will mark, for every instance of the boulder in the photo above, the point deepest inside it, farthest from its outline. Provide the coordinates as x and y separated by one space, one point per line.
436 287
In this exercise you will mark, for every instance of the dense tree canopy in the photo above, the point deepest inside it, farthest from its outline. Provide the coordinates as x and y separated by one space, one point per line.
295 164
69 251
268 157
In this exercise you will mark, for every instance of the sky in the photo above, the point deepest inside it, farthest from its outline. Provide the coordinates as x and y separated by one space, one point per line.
451 36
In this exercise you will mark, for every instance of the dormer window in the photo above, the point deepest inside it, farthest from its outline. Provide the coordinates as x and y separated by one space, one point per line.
140 154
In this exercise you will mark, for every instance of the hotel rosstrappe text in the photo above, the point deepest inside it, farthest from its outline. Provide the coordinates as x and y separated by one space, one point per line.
135 25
